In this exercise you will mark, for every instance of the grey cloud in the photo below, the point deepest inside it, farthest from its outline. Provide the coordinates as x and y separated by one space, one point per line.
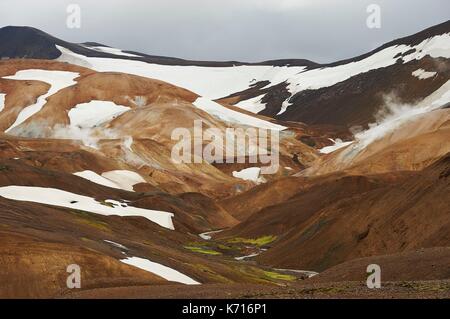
245 30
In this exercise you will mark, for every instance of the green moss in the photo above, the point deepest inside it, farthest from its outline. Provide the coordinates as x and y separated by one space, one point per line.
202 250
107 204
96 224
211 274
278 276
224 247
91 220
261 276
261 241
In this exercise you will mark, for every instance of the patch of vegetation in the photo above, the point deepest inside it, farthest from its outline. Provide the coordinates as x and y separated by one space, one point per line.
261 241
4 168
104 203
261 276
224 247
202 250
211 274
278 276
91 220
96 224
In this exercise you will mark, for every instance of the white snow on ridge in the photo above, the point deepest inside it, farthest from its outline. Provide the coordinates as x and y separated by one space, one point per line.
253 105
2 101
218 82
246 257
115 244
159 270
58 81
421 74
119 179
209 82
232 116
111 51
397 116
124 179
95 113
438 46
249 174
57 197
97 179
207 235
338 144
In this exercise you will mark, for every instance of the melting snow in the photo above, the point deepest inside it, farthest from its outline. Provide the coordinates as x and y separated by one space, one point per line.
115 244
338 144
231 116
128 142
2 101
124 179
214 83
207 235
95 178
248 256
160 270
210 82
397 116
421 74
58 81
95 113
438 46
253 105
56 197
249 174
111 51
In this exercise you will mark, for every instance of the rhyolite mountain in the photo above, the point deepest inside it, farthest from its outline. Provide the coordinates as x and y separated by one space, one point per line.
336 103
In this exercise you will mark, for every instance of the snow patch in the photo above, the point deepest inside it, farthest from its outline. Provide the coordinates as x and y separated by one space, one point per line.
253 105
97 179
231 116
338 144
58 80
421 74
2 101
394 115
207 235
115 244
124 179
210 82
159 270
248 256
95 113
250 174
438 46
128 142
112 51
57 197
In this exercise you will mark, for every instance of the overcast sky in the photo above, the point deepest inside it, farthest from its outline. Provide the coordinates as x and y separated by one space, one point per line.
244 30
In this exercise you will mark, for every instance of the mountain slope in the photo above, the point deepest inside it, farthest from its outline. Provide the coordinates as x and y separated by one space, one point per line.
350 92
354 217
